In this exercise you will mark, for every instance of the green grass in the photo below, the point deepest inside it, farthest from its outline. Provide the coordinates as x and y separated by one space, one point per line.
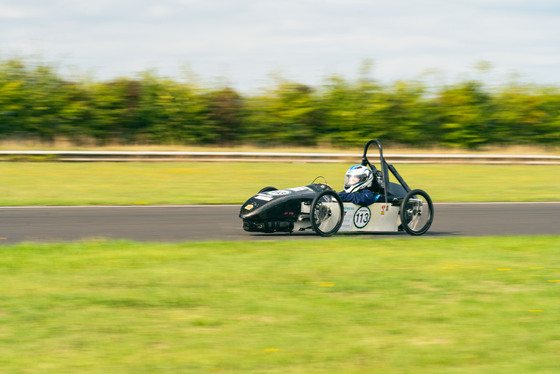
339 305
208 183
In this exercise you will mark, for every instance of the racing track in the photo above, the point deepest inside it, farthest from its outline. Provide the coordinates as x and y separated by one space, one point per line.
181 223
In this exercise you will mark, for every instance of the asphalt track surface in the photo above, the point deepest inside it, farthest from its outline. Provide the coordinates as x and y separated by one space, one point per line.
186 223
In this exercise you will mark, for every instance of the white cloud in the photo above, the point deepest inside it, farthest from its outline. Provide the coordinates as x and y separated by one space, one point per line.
304 39
10 12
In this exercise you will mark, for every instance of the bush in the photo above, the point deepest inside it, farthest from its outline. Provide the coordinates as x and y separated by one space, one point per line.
36 102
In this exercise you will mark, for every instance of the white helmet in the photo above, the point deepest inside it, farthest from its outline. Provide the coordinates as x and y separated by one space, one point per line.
357 178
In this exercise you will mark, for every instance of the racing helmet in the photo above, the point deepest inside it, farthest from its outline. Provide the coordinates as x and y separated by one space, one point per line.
357 178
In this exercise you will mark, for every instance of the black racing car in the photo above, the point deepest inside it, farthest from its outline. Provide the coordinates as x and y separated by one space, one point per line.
318 207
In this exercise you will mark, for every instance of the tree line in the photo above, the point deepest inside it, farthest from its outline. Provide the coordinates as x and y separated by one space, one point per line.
37 102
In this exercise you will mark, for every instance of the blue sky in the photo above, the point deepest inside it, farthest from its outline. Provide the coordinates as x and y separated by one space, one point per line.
246 42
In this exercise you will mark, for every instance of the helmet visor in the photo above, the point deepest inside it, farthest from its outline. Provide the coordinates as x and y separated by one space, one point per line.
351 180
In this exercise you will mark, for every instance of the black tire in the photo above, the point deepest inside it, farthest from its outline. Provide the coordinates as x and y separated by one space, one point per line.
417 212
269 188
327 212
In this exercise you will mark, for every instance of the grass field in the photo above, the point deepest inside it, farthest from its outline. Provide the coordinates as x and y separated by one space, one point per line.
45 183
342 305
415 305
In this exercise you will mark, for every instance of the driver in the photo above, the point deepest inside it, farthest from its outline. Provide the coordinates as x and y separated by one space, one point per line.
357 181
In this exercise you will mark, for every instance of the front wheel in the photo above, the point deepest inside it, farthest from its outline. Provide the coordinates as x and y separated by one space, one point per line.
327 213
417 212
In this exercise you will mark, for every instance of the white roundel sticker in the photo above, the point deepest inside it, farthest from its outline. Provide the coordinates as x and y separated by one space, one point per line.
361 217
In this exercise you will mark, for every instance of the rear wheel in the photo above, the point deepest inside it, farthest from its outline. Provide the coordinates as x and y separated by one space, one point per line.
417 212
327 213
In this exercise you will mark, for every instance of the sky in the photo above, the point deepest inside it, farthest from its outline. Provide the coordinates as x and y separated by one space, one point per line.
247 44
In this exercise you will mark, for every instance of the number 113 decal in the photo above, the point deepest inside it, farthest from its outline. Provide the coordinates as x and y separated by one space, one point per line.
361 217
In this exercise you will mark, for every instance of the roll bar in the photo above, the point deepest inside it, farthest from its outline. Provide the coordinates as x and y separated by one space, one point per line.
384 169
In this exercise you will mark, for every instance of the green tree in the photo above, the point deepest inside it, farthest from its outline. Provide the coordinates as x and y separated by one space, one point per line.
405 115
286 114
463 115
36 102
226 112
115 110
526 115
174 112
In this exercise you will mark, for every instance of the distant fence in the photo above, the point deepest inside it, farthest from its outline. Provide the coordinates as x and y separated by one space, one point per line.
157 156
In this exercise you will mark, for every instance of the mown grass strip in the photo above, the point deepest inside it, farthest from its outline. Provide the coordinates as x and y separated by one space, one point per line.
232 183
413 305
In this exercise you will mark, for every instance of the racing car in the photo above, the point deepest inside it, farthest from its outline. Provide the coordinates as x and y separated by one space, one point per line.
318 207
